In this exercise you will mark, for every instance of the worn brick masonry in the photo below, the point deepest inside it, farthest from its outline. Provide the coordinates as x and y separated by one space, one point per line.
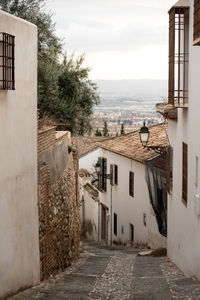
59 217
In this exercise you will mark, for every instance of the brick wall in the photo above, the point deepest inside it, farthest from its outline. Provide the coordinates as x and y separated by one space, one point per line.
46 139
59 217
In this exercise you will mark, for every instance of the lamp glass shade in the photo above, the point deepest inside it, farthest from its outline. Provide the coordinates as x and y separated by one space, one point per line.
144 134
98 168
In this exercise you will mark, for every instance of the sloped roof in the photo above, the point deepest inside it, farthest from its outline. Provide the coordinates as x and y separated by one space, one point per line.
91 190
129 145
180 4
86 144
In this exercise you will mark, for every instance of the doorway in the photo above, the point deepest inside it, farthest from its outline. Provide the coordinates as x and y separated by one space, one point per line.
104 224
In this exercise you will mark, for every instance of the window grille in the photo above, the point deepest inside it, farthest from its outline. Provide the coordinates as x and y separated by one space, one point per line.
178 56
7 61
196 32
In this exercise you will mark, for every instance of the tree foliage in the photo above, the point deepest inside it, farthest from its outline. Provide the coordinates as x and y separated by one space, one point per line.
77 95
64 90
122 131
105 129
98 132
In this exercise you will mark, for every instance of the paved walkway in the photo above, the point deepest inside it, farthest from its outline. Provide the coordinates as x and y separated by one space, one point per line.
110 273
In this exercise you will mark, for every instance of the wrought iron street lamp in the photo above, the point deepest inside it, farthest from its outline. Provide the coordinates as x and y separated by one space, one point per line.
144 135
144 138
98 167
98 170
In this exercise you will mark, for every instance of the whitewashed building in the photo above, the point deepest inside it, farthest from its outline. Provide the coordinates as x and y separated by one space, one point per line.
182 110
125 213
19 236
90 206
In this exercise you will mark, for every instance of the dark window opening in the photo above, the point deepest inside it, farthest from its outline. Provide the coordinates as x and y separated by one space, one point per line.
116 174
7 62
111 174
131 184
131 228
184 173
102 181
115 224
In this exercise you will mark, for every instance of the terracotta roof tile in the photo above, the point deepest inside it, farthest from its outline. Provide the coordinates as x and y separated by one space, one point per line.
129 145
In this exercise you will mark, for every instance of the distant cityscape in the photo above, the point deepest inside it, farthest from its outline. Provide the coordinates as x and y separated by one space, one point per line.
128 110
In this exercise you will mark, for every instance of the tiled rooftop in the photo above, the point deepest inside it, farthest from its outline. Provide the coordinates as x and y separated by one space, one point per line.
129 145
85 144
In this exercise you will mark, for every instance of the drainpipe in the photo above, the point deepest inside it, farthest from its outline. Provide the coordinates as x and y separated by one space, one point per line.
111 215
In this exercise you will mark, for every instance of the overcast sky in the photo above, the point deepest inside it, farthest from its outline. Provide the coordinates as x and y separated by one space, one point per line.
121 39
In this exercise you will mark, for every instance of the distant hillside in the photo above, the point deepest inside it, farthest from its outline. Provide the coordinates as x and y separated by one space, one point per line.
133 87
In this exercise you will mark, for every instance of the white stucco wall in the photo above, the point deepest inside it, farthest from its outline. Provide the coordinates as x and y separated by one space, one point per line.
89 210
19 246
89 160
184 222
131 209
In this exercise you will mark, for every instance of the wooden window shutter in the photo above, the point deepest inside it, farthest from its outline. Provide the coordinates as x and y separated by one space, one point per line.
131 184
116 174
196 30
185 173
111 174
100 186
104 180
169 169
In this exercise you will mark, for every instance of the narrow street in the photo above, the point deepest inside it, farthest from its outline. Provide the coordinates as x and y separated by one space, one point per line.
116 273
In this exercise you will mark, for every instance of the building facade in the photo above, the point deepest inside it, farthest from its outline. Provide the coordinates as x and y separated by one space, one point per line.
125 213
183 105
19 247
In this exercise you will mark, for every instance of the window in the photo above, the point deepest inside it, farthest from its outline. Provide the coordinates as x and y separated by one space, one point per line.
184 172
7 62
131 184
116 175
113 174
196 30
178 56
131 232
102 181
115 224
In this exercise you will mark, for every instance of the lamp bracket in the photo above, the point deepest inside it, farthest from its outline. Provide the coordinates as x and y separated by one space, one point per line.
158 149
